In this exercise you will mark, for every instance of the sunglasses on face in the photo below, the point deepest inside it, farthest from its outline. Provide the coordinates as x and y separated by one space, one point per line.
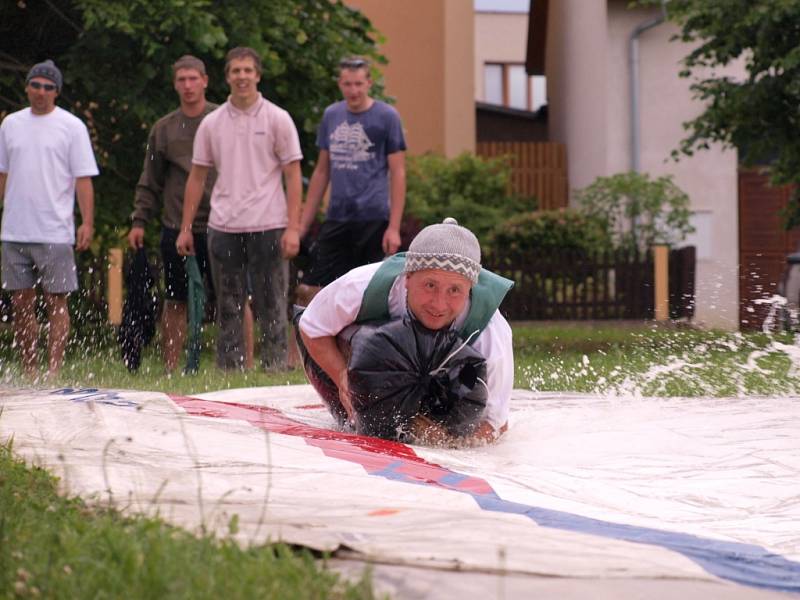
48 87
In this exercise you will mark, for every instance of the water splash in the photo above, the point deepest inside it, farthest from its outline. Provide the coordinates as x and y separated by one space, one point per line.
681 362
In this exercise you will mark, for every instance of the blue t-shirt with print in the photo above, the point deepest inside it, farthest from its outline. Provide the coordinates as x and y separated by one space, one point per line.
358 145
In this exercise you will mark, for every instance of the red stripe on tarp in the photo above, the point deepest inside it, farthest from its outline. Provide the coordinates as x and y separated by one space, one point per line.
376 455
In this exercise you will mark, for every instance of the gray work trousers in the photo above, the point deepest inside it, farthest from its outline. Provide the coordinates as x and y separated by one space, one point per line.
234 257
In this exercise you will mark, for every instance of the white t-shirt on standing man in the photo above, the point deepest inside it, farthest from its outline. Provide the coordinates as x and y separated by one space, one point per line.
42 155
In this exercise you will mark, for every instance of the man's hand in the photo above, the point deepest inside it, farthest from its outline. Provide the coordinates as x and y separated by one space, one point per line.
136 237
185 243
486 434
428 433
84 236
391 241
290 243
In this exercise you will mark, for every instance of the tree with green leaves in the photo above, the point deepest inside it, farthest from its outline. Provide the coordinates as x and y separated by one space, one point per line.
638 212
759 114
116 56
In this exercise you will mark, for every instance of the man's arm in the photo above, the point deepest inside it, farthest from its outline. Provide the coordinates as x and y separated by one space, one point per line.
496 344
397 201
85 192
3 177
325 352
293 179
316 190
332 310
149 191
191 201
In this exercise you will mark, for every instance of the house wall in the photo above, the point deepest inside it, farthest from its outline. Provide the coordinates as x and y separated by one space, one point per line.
499 38
588 84
576 84
709 178
429 45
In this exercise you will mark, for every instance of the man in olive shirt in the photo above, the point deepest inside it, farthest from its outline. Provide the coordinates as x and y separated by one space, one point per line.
167 162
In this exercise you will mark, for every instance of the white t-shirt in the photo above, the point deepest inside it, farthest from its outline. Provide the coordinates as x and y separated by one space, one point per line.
42 155
337 305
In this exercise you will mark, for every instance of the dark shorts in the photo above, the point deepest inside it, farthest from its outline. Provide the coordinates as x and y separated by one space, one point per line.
342 246
176 287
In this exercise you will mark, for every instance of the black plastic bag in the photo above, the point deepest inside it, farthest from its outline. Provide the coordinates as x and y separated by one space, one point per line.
140 311
401 369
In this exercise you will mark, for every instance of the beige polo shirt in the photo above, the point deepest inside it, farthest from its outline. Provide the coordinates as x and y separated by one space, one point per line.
249 150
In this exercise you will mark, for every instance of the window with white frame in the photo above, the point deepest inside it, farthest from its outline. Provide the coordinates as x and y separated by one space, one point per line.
507 84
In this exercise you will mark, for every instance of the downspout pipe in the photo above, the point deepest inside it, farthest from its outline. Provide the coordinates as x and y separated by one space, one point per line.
633 55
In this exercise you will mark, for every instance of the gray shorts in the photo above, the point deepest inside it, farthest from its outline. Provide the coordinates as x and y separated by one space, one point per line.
52 266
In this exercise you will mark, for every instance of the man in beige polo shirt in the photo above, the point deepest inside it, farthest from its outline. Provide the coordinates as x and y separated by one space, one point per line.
253 226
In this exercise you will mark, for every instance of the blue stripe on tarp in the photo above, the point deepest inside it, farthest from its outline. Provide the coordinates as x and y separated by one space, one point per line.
735 561
742 563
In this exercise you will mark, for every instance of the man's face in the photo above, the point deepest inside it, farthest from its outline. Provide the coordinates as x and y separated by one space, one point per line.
243 78
355 85
437 297
190 85
42 100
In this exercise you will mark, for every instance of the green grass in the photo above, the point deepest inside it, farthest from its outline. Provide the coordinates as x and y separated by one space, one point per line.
98 364
658 361
105 369
56 547
592 358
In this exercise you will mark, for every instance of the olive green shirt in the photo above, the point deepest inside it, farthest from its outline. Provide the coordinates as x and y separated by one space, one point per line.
167 162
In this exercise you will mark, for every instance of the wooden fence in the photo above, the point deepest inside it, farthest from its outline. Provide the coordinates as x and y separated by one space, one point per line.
553 285
538 169
575 286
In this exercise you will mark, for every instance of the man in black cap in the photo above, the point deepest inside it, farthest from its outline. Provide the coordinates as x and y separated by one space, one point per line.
46 159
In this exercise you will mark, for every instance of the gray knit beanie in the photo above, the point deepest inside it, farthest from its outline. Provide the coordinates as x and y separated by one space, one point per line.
446 246
48 70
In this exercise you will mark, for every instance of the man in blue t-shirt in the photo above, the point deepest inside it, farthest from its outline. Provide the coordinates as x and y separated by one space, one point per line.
362 155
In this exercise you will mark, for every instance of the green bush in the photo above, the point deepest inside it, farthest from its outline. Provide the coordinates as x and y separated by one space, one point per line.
550 230
116 55
471 189
639 211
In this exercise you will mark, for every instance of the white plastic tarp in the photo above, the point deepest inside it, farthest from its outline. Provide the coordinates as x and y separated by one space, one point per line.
580 486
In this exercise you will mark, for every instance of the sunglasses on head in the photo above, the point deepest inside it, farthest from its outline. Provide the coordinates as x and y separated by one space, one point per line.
48 87
352 63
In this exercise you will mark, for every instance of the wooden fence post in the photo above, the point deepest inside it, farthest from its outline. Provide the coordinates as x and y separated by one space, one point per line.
114 286
661 279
